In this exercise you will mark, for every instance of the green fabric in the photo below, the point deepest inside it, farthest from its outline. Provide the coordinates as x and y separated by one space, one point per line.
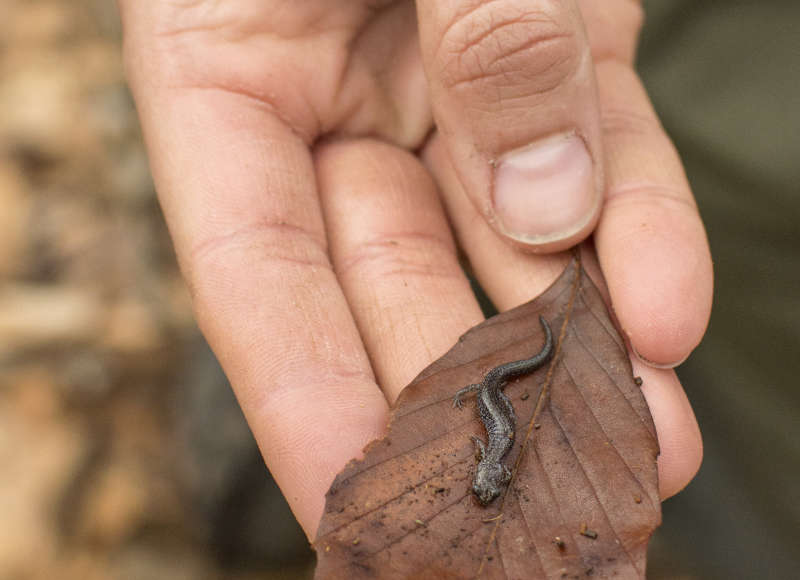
725 79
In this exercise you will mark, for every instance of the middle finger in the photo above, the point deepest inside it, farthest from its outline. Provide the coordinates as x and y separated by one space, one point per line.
394 256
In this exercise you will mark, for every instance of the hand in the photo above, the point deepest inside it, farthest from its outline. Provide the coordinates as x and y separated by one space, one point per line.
316 247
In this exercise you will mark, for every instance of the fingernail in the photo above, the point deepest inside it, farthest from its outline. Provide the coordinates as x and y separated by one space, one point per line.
545 191
656 365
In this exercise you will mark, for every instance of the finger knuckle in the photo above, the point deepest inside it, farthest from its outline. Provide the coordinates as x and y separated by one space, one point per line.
519 46
403 256
274 252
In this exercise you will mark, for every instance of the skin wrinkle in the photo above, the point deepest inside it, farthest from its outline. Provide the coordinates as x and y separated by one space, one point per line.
524 74
215 29
630 122
429 272
534 42
610 57
349 62
307 131
650 193
490 31
180 77
392 248
364 28
307 249
386 51
554 52
344 104
634 117
234 27
459 17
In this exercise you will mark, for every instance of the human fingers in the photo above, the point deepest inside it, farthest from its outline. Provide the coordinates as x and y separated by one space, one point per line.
513 93
650 239
511 277
238 191
394 256
679 439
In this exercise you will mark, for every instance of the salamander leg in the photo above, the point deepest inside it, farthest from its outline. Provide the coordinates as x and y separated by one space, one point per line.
457 402
480 447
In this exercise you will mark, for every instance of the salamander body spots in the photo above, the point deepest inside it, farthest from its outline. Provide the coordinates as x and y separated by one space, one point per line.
497 414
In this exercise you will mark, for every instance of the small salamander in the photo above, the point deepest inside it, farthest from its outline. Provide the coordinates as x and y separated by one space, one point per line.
497 413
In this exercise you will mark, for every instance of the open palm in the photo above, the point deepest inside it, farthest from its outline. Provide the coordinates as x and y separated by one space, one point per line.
315 209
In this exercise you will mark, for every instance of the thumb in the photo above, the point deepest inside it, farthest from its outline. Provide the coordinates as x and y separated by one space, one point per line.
514 98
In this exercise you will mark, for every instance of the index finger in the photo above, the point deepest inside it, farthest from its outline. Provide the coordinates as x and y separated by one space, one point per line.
239 195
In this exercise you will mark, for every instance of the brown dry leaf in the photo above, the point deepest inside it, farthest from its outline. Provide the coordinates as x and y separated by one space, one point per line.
583 500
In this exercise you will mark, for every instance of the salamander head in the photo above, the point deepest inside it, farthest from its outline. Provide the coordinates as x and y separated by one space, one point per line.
490 478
